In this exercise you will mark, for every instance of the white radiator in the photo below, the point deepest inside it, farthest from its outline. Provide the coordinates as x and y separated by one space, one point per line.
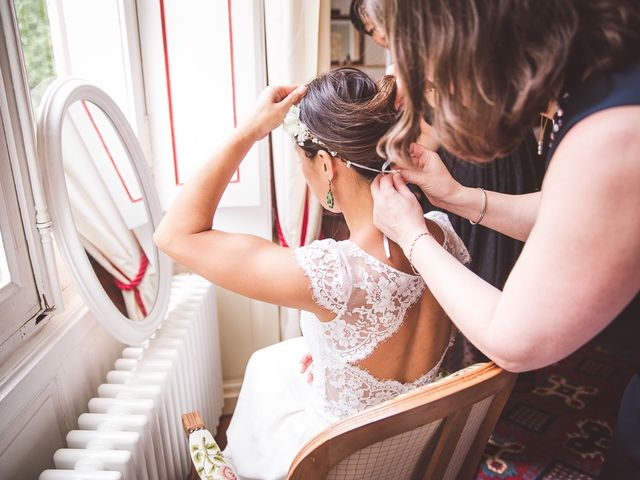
133 429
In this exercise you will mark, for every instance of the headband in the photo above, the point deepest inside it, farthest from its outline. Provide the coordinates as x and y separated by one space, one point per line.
300 134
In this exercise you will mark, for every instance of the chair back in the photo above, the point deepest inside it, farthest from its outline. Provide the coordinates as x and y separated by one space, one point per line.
436 432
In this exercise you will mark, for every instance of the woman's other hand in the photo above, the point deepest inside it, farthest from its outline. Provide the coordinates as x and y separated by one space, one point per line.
396 211
306 366
271 107
431 175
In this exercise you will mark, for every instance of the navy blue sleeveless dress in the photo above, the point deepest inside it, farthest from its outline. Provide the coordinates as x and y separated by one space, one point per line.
622 336
492 253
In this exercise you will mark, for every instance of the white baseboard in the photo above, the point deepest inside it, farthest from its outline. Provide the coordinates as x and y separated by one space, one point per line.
231 389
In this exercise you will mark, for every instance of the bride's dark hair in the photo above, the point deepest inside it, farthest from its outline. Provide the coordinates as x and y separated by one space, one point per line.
349 113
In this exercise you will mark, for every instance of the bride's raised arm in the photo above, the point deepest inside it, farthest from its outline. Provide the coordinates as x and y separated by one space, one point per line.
246 264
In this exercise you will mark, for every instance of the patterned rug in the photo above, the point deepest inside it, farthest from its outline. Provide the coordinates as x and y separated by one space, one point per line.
560 426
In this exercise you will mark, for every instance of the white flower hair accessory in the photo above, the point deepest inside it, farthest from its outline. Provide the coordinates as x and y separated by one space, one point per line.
299 131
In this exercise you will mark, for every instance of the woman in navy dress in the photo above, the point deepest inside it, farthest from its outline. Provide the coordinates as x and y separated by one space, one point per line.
498 69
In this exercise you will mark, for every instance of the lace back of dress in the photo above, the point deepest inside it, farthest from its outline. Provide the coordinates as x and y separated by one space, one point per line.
370 300
375 308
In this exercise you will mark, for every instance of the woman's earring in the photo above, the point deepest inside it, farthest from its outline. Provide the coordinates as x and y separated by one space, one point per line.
544 119
330 200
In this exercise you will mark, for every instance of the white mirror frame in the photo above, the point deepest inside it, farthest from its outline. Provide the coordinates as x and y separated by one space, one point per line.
60 95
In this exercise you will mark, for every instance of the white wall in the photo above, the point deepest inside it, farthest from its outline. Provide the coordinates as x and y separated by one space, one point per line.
245 325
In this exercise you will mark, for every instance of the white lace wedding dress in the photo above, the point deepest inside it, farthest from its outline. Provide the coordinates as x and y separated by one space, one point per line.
277 410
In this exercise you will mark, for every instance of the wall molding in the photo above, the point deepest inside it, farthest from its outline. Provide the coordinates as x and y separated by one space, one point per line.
231 389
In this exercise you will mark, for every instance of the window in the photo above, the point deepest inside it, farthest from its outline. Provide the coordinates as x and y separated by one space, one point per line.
35 38
173 74
43 40
22 289
19 297
96 41
204 65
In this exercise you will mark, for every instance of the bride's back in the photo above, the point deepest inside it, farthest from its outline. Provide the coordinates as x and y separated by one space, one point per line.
416 348
388 335
425 332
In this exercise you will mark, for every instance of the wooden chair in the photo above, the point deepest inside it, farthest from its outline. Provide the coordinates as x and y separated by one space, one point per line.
436 432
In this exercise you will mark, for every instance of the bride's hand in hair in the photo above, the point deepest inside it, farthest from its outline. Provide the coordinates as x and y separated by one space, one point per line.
431 175
396 211
271 107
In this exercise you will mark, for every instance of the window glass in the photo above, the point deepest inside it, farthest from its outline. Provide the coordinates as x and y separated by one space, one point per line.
37 50
89 40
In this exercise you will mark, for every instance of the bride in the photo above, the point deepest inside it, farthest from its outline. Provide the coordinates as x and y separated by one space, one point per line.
372 327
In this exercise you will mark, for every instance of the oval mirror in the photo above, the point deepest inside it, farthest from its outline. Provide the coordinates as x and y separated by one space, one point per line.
104 208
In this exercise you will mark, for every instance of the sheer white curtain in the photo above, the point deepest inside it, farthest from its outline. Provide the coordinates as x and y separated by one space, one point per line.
298 48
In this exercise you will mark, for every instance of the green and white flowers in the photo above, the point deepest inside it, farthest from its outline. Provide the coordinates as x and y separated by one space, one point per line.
207 457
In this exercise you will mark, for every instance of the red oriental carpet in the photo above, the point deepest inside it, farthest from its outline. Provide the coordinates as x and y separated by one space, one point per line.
561 426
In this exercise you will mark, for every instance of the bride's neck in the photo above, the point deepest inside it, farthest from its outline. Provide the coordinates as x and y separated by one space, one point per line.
357 207
358 214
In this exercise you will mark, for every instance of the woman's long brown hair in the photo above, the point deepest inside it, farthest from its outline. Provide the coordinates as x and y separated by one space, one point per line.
496 64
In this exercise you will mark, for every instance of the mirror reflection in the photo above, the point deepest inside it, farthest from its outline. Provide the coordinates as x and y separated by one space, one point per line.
109 209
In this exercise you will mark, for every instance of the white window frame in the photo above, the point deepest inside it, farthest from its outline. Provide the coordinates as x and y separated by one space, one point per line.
19 299
124 85
202 74
29 300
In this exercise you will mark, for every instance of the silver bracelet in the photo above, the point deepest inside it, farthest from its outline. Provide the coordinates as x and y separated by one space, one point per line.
413 244
483 208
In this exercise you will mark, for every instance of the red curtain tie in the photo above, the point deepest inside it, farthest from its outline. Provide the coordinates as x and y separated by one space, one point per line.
133 284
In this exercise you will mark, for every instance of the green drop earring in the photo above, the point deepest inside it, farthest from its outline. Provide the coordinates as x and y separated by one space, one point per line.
330 200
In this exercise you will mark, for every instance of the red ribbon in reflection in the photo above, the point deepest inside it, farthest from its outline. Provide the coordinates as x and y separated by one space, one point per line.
133 284
305 221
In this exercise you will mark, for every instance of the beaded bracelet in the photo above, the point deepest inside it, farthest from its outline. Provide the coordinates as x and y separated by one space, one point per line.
413 244
483 208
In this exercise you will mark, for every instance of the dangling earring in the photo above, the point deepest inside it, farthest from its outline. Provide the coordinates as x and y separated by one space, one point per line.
543 127
544 119
330 200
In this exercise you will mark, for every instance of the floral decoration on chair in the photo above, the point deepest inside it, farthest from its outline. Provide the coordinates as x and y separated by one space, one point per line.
207 457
